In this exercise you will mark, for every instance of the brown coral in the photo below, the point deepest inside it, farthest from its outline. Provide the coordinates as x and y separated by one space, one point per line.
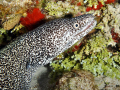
7 25
76 80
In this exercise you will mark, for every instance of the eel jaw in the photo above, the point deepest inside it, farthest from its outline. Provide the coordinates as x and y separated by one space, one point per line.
87 29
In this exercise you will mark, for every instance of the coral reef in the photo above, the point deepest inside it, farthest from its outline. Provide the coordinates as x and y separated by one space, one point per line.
32 18
92 53
110 19
94 57
115 36
75 7
16 6
76 80
107 83
103 63
60 9
14 11
7 25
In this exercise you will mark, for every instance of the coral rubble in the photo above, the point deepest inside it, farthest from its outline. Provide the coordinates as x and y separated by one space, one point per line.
76 79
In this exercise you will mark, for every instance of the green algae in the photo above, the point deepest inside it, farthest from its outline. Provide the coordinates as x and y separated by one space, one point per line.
60 9
102 64
2 31
94 57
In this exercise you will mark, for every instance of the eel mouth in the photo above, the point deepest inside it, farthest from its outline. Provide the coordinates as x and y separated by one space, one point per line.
88 28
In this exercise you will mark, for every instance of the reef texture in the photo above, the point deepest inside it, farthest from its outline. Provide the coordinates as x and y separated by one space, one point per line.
11 22
76 80
50 8
98 53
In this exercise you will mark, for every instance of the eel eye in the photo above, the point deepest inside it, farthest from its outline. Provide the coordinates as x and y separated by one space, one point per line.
76 25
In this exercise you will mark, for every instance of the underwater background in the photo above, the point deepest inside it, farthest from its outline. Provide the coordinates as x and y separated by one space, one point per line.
93 62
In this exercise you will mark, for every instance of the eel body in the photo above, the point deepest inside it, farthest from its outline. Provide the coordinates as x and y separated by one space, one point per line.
21 58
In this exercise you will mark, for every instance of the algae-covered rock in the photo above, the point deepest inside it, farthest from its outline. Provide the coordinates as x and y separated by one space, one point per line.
7 25
60 9
76 80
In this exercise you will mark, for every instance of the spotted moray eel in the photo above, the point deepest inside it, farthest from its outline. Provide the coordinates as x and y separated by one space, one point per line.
21 58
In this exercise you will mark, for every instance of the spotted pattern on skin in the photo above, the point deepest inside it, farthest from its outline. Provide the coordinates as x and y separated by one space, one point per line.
20 59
